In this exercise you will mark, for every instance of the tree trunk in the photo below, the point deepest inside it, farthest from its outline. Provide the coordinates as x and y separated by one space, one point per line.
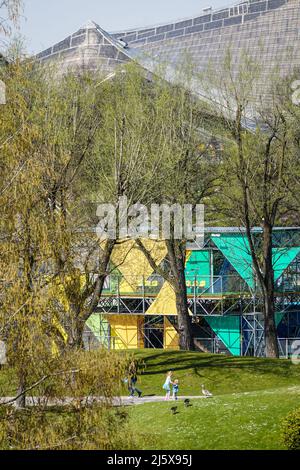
271 342
176 258
176 253
75 330
81 313
21 400
184 324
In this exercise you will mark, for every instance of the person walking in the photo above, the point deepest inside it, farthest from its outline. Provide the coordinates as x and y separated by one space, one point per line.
133 379
132 386
167 385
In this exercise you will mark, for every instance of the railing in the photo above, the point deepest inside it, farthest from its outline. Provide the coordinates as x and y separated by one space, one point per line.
210 345
288 282
197 285
288 347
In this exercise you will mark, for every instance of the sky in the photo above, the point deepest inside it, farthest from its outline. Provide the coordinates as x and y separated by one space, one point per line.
45 22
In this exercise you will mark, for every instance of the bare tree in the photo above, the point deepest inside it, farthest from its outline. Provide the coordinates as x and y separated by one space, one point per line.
9 14
258 171
186 176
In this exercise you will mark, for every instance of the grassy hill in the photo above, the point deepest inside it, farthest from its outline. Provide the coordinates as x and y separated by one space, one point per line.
221 374
251 396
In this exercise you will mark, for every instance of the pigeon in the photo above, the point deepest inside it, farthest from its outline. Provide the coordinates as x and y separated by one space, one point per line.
174 410
187 402
206 393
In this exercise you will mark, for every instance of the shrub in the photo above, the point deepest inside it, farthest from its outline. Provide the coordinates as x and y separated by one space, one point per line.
66 417
291 430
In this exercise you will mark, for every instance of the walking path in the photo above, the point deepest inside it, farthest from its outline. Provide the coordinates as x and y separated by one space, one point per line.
155 398
117 401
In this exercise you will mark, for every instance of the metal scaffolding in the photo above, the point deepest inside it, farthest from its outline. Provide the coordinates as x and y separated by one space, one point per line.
215 301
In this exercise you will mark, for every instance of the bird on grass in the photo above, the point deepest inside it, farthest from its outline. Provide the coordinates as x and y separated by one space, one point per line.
187 402
174 410
206 393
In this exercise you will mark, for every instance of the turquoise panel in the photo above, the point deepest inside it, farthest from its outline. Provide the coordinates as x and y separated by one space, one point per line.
235 248
227 328
282 258
278 317
197 270
199 261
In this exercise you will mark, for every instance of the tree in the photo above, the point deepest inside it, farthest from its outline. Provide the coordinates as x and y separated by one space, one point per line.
39 139
106 155
72 127
257 175
9 14
24 229
186 177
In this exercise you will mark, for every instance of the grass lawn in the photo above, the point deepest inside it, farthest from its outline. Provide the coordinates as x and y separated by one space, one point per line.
251 396
249 420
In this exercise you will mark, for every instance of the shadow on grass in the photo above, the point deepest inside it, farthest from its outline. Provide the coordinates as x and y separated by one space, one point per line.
162 362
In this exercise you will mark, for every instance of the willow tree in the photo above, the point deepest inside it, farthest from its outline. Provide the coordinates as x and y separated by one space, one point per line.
71 125
46 131
257 176
9 14
24 230
96 153
36 144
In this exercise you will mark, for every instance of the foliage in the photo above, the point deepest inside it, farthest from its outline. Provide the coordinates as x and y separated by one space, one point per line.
9 14
79 422
257 176
58 139
185 176
24 224
91 428
291 430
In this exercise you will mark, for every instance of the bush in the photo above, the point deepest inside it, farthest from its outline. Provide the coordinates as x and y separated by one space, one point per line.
79 423
291 430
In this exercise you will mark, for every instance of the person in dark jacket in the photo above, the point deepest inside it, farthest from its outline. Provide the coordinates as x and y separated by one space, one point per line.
133 380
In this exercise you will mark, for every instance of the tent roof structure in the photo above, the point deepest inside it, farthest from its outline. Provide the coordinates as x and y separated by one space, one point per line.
89 48
92 48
